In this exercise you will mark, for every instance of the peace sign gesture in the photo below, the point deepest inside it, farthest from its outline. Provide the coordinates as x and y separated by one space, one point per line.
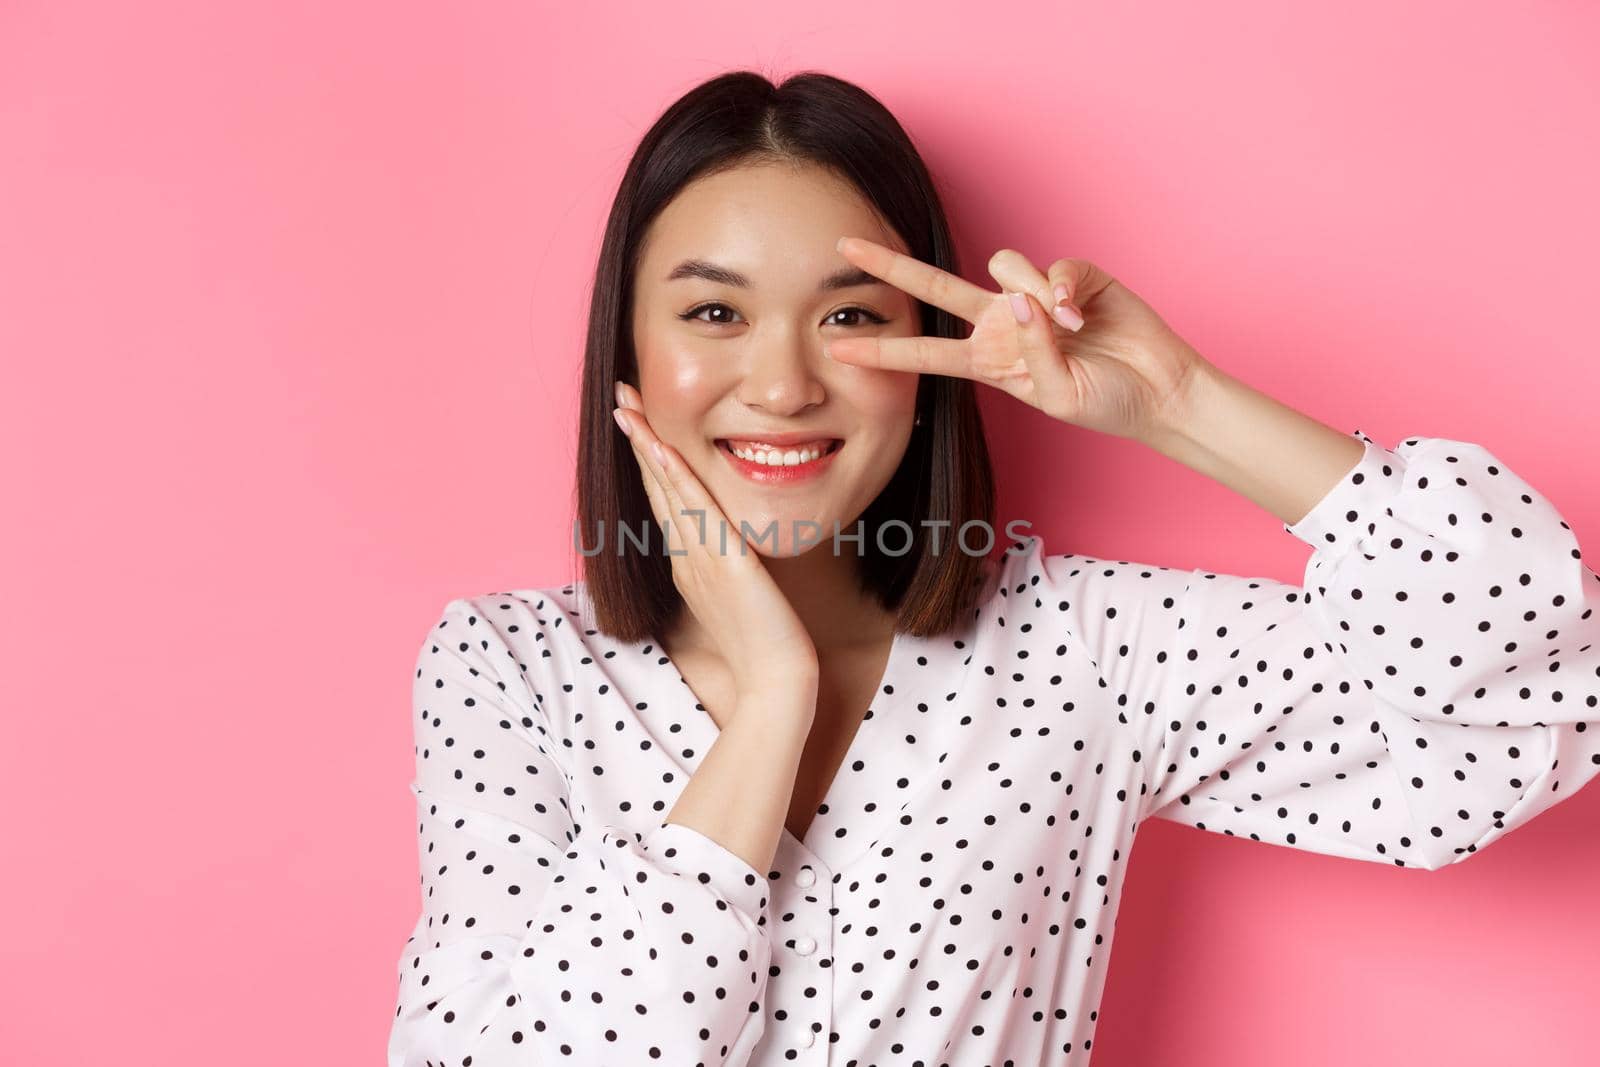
1107 363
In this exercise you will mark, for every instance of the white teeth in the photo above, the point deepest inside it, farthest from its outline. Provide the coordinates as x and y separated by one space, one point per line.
776 458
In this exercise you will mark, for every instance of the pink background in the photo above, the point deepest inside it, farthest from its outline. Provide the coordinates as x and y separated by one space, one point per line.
293 305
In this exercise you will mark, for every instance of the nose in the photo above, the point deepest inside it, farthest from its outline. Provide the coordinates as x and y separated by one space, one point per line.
782 379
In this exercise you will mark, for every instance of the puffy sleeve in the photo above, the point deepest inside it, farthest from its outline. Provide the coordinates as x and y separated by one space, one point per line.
1432 685
541 944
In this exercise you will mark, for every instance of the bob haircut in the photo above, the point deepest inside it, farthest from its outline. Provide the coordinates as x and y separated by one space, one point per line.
945 477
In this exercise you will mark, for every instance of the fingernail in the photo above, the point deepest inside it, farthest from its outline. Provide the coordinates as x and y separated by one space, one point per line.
1061 293
657 451
825 353
1067 317
622 424
1019 307
616 390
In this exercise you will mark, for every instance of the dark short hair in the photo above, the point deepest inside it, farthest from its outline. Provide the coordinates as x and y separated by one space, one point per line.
738 118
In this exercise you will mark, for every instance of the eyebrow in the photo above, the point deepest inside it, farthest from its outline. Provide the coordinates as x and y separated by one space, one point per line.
845 278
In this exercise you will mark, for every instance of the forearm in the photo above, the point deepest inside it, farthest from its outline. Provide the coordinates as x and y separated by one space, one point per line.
739 796
1282 459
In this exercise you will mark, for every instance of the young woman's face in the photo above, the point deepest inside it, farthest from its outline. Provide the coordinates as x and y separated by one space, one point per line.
723 365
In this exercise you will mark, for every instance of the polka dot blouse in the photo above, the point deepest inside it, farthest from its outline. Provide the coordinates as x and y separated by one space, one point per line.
1431 687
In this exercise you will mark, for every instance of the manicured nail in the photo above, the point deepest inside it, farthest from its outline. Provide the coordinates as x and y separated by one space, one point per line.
622 422
1068 317
1061 293
1019 307
616 390
660 453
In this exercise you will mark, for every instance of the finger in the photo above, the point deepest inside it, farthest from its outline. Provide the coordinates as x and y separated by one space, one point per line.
636 427
644 440
1016 274
628 397
702 518
659 505
647 477
1075 282
922 280
921 355
641 435
694 514
1053 384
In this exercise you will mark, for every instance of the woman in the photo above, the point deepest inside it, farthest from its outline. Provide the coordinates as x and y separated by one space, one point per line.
774 797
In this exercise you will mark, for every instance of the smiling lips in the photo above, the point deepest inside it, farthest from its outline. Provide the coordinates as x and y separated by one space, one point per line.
780 458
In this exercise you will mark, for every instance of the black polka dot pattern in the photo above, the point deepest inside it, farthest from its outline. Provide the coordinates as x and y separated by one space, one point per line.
1432 686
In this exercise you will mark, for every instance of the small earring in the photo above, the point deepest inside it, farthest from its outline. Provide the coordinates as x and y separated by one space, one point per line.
918 421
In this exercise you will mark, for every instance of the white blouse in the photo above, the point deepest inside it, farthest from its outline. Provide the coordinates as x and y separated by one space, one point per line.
1432 686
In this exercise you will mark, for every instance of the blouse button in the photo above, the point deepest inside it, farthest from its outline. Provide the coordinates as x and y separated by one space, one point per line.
805 877
804 945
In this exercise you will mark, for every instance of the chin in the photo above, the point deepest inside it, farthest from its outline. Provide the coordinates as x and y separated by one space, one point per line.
781 544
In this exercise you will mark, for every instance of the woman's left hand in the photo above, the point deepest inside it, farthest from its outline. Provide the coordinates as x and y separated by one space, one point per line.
1122 372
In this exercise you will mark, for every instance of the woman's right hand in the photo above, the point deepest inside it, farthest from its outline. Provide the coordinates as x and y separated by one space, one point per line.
729 591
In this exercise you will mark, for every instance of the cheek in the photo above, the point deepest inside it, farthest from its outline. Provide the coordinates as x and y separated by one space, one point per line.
881 396
882 404
678 386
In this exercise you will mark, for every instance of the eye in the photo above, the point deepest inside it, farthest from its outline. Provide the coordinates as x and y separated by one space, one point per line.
725 315
694 313
871 316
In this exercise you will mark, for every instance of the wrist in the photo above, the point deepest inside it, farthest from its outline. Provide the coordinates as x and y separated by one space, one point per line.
1172 426
787 689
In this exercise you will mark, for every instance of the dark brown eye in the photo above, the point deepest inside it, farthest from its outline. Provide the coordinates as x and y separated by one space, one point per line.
870 316
694 313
